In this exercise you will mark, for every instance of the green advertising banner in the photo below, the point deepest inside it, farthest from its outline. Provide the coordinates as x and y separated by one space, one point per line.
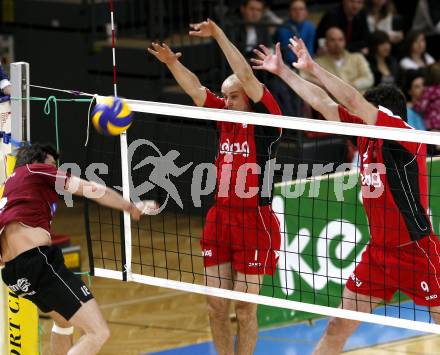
324 230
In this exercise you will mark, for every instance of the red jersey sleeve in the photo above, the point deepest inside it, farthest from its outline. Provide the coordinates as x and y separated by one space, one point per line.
213 101
348 117
385 118
267 104
48 174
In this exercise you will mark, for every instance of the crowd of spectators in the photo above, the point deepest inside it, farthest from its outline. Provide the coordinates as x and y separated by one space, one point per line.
364 42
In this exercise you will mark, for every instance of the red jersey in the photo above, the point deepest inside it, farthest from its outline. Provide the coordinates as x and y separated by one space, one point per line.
242 148
395 197
30 197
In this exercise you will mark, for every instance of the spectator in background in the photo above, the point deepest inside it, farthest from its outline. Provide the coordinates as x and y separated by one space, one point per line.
380 16
247 31
350 67
427 16
296 25
351 18
429 102
414 52
5 84
413 86
384 66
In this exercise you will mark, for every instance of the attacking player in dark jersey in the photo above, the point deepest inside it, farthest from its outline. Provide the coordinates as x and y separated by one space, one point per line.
403 250
241 237
34 269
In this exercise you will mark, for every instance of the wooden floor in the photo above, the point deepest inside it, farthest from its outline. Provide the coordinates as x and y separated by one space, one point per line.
146 319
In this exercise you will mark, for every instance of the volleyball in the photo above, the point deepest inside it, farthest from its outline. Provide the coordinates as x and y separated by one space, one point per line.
112 116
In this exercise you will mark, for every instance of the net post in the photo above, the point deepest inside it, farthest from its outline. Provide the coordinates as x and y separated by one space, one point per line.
20 107
21 314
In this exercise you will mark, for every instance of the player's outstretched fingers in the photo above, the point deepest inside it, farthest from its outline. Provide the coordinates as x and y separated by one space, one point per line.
259 54
265 50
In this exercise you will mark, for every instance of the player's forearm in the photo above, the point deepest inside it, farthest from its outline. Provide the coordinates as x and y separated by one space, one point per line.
110 198
236 60
188 81
309 92
343 92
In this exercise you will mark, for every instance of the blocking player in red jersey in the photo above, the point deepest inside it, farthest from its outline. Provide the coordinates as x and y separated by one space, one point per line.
35 269
241 236
403 250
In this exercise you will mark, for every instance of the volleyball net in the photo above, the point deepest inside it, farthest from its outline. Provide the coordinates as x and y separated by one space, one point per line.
166 155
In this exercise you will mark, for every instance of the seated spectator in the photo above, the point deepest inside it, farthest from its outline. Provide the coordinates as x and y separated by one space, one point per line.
414 51
248 31
429 102
351 18
383 65
427 16
296 25
413 86
5 84
380 16
350 67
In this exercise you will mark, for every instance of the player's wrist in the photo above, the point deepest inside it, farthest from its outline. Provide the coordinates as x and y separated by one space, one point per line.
313 68
217 32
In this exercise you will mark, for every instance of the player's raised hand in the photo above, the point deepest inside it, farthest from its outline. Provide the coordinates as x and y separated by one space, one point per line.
164 53
304 61
271 62
206 28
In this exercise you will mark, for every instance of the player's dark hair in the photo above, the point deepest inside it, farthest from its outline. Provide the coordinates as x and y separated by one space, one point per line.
390 97
34 153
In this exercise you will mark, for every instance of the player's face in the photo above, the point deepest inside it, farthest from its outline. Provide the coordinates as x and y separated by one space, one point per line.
234 95
50 160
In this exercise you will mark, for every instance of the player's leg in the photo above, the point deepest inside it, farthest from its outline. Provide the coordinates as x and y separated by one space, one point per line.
67 295
215 246
257 240
435 314
96 332
246 313
339 329
61 338
220 276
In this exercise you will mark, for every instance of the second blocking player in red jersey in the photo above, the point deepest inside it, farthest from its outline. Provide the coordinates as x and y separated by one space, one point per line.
241 237
403 252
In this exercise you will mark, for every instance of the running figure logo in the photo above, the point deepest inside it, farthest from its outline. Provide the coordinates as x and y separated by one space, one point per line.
164 167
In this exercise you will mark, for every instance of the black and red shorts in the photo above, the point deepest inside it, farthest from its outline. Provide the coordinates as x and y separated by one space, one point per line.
248 238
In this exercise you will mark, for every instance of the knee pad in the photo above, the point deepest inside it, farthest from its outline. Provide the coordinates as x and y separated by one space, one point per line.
62 331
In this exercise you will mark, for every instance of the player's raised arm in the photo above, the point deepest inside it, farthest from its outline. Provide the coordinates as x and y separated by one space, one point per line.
241 68
109 197
309 92
187 80
347 95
